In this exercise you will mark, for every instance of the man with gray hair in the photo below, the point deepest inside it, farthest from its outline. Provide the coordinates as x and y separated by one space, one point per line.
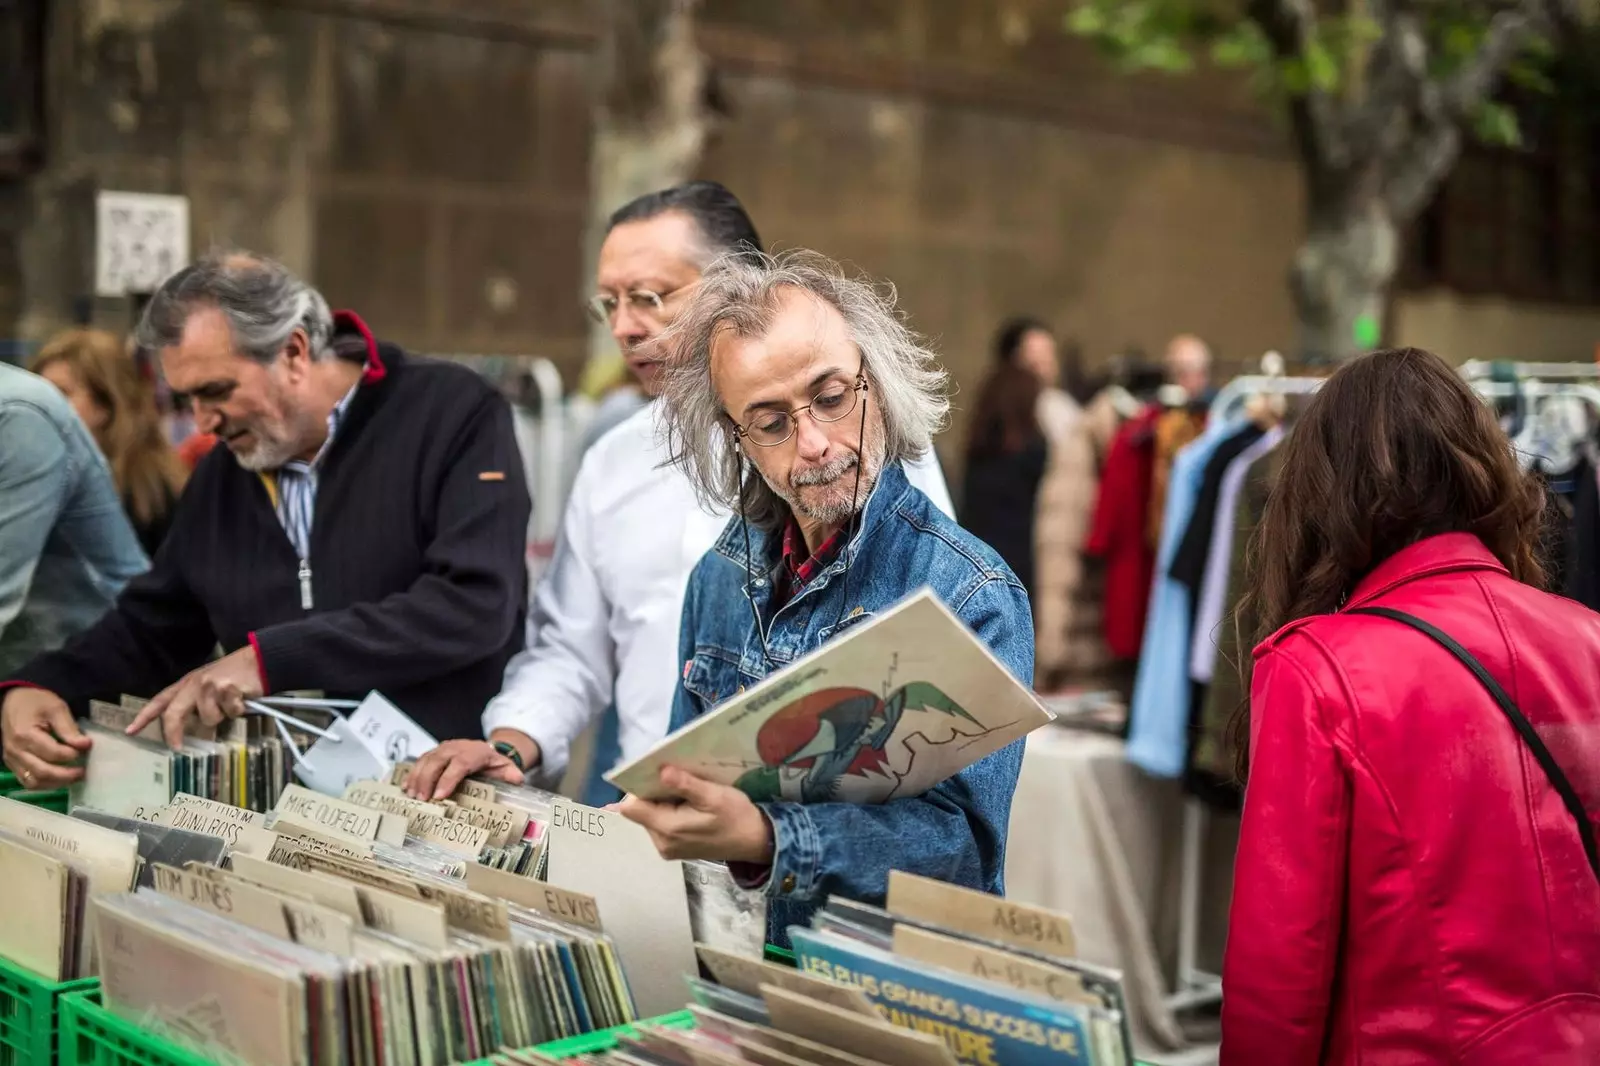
795 397
364 528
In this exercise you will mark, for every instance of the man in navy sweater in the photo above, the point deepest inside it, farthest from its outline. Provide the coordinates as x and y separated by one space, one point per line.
365 528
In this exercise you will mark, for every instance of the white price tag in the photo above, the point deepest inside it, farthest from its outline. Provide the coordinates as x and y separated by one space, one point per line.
141 239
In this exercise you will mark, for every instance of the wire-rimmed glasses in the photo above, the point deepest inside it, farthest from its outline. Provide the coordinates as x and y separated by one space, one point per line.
770 428
647 303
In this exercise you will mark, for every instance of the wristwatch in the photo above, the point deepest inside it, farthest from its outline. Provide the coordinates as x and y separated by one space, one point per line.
510 751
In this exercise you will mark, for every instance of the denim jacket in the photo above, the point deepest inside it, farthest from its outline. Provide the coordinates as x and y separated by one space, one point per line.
66 548
955 832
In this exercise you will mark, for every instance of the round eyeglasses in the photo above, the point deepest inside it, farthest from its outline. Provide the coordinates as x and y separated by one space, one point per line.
771 428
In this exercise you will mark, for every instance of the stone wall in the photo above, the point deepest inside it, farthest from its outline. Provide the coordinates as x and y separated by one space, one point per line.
425 161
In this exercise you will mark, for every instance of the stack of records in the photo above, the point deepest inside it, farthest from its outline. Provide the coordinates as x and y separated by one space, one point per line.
51 866
131 776
517 817
323 958
943 977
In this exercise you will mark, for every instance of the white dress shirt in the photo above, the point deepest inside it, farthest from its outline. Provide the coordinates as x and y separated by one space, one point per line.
603 622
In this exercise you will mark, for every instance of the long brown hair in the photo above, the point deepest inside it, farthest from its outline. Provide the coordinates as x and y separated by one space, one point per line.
1005 420
146 470
1394 447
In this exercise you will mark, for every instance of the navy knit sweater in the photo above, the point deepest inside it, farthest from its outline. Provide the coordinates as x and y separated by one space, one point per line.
418 562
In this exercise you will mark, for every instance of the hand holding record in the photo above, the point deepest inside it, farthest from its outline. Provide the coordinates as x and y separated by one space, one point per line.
213 693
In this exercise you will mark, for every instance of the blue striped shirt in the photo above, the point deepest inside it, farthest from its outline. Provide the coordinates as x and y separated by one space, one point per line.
297 484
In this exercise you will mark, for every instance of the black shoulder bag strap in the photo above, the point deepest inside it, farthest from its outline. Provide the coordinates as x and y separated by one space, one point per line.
1519 722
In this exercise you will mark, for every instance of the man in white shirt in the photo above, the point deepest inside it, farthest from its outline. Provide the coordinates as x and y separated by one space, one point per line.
603 625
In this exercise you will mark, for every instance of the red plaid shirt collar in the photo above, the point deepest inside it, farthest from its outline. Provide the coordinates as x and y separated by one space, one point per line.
799 567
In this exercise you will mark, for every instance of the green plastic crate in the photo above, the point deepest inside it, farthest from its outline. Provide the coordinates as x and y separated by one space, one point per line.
91 1035
28 1015
606 1039
53 800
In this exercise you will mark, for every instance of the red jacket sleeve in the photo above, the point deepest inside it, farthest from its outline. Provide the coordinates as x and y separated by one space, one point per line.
1289 877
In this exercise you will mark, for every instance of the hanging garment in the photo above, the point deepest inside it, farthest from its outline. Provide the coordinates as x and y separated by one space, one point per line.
1159 716
1116 534
1210 773
1174 431
1068 588
1189 561
1581 577
1211 593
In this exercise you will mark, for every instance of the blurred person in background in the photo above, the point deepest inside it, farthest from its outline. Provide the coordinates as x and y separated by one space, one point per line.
1417 876
95 372
1188 363
327 544
1008 444
66 548
603 624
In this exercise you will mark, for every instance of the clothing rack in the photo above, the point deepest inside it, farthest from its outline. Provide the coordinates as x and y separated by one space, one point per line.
1195 987
1478 368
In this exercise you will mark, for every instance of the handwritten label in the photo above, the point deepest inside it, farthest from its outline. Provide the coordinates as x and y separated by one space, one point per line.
965 910
506 824
301 838
538 896
388 798
451 833
320 927
243 902
319 811
586 820
225 811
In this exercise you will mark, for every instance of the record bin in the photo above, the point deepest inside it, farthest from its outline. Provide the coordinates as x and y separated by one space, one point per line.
28 1014
91 1035
52 800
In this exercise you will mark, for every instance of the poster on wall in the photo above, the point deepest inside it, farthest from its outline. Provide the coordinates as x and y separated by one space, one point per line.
140 240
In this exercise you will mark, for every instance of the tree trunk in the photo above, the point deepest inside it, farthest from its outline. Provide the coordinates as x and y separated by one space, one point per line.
650 118
1340 278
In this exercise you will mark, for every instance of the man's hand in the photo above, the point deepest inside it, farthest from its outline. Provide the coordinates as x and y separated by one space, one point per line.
704 821
41 738
440 772
215 692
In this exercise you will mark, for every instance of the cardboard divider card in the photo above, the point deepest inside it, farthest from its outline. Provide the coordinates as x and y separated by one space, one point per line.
773 1047
292 835
320 927
507 824
872 1037
336 816
222 811
451 834
748 975
603 855
966 910
539 896
328 891
237 899
991 964
383 797
463 908
416 920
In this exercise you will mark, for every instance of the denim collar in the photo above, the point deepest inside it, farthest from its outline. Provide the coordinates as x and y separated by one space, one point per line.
886 497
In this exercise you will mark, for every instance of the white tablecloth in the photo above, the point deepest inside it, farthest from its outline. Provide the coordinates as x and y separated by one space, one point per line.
1096 838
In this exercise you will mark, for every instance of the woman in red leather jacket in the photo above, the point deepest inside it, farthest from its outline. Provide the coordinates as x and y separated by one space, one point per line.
1410 886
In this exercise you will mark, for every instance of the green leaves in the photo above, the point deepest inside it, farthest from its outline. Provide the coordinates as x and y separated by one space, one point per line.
1497 124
